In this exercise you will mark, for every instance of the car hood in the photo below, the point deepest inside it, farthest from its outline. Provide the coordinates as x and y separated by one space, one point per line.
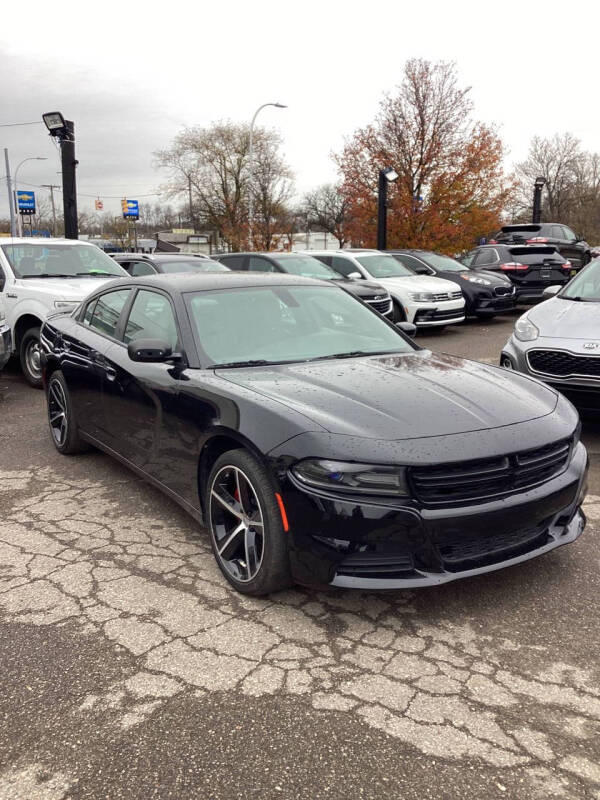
404 396
419 283
65 288
567 319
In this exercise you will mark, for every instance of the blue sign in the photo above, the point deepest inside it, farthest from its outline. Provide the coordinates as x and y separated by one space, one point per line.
26 202
130 209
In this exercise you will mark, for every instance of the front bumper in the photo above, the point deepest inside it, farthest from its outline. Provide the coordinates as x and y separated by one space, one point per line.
5 344
380 545
492 304
428 315
582 391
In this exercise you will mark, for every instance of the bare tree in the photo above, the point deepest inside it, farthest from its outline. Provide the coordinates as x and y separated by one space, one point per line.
328 208
213 161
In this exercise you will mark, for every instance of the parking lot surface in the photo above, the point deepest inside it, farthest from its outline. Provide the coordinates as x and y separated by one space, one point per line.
130 669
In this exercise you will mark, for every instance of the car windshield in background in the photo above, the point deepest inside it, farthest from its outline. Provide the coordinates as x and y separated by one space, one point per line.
60 261
438 261
284 324
306 266
381 266
586 285
193 265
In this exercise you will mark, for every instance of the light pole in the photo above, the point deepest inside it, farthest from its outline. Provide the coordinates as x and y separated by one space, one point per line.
11 196
251 167
19 217
387 175
537 199
64 130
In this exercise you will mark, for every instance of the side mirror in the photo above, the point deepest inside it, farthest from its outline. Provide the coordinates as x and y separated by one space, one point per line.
354 276
550 291
421 270
151 351
408 328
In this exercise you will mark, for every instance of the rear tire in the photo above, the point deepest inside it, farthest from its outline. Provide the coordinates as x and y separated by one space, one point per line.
245 523
31 357
61 417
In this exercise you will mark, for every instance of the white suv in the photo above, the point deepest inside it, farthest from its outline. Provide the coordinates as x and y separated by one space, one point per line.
421 299
39 277
5 337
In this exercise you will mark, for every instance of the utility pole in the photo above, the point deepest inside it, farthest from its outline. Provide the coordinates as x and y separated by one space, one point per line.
191 206
52 187
69 163
537 199
11 198
387 175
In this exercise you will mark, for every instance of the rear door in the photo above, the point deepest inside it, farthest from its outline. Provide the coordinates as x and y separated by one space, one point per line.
570 247
84 362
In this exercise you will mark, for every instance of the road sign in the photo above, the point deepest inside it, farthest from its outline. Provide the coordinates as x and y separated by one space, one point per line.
130 209
26 202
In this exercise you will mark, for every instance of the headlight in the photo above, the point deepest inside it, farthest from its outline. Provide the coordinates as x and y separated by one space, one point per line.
354 478
525 330
421 297
66 305
476 279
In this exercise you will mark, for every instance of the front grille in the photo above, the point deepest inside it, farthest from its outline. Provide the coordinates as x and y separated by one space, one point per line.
461 553
383 306
502 291
443 296
562 364
369 564
434 315
489 478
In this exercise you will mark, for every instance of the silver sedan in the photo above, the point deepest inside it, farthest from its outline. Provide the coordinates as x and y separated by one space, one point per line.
558 341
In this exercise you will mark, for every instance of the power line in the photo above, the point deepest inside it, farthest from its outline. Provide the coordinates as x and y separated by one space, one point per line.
17 124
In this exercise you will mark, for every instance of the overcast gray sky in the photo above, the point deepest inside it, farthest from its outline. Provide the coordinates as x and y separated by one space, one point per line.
132 75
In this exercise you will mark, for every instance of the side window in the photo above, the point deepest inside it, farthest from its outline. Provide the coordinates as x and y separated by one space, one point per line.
151 317
415 264
103 313
327 260
139 268
343 265
233 262
568 234
484 257
258 264
556 232
468 259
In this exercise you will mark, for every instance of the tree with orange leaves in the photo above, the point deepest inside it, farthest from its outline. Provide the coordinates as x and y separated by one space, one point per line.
450 189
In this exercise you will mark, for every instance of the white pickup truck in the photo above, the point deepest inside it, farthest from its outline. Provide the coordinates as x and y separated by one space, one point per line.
40 277
5 337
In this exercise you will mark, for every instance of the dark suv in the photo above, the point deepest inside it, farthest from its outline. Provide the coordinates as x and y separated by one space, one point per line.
553 233
532 268
309 267
141 264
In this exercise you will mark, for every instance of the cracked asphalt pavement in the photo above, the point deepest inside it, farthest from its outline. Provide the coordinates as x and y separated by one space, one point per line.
130 669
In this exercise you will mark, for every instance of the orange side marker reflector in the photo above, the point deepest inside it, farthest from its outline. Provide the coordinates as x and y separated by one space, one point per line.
284 518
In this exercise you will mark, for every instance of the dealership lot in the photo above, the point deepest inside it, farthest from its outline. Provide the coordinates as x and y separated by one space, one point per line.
129 668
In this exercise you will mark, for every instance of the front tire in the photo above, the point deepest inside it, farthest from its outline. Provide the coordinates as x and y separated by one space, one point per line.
61 417
398 314
31 357
246 527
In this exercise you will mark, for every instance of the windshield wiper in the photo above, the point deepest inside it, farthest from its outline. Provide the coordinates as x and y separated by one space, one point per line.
48 275
94 272
356 353
261 362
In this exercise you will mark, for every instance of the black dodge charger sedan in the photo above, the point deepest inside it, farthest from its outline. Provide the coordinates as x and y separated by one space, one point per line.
485 293
315 440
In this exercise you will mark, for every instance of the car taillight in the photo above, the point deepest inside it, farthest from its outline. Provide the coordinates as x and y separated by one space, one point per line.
537 240
566 265
512 265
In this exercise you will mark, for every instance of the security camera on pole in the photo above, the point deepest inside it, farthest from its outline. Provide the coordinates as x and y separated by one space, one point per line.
64 130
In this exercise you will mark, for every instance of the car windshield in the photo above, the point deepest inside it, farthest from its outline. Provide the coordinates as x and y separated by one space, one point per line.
306 266
383 266
60 261
191 265
284 324
585 285
438 261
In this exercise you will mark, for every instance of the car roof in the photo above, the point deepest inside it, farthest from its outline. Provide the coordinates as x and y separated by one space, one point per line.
193 282
45 240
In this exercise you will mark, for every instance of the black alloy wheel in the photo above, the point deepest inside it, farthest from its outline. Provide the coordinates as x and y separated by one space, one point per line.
31 357
61 417
246 525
